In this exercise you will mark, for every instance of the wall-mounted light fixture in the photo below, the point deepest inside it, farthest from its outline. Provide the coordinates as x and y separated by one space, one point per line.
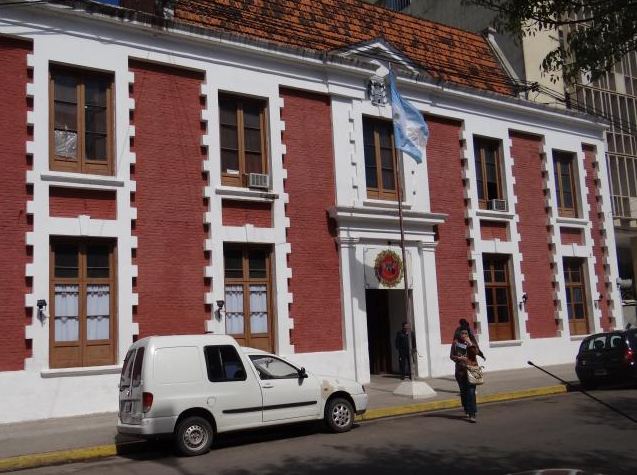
523 300
220 304
599 298
41 304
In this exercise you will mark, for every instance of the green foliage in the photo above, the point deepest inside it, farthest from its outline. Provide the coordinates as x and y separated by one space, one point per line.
597 33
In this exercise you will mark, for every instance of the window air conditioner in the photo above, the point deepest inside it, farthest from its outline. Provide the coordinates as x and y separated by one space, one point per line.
498 205
258 180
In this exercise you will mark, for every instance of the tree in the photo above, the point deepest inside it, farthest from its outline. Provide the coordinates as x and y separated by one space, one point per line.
598 32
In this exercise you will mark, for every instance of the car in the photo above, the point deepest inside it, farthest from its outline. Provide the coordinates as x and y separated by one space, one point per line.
193 387
607 357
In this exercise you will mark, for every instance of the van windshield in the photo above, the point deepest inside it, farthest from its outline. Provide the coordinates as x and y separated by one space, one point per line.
127 367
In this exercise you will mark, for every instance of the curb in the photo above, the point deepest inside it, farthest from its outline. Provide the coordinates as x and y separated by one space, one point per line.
102 451
451 403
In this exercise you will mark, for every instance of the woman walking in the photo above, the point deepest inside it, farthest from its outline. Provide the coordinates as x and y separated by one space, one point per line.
464 353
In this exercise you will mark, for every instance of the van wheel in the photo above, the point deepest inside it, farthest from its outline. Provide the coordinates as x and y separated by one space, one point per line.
339 415
193 436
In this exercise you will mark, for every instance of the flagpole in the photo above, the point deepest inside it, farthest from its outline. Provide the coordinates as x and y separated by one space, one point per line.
410 319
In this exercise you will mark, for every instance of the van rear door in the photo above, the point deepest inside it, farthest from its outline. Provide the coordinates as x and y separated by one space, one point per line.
130 389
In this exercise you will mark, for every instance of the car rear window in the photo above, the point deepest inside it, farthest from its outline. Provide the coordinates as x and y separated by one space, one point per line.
127 368
607 341
137 368
224 364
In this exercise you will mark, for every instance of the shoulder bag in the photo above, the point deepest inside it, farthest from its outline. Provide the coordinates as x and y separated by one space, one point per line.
474 375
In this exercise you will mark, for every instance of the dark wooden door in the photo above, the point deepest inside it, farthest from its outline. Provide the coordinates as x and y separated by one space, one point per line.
378 334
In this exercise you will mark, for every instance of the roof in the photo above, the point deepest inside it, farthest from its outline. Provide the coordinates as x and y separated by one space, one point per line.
445 53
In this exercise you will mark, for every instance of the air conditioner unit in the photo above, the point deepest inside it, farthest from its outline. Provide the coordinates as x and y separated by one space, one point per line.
633 207
258 180
497 205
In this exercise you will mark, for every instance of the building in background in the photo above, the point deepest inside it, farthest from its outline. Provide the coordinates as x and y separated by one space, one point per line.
612 97
201 167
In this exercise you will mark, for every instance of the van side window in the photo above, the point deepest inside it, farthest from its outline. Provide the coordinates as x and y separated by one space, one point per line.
137 368
269 367
127 368
223 364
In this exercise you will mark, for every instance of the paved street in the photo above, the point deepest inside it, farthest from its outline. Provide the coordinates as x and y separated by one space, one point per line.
569 431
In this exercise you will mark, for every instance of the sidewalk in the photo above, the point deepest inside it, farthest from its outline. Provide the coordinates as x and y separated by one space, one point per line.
45 442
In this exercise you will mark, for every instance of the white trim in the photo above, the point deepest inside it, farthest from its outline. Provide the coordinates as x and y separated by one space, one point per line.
82 371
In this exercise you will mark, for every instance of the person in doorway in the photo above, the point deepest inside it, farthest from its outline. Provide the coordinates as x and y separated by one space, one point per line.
463 324
402 345
465 352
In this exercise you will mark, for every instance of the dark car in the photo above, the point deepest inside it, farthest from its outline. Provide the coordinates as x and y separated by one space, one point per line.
607 357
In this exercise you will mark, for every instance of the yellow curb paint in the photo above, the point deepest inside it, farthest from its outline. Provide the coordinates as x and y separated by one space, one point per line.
52 458
77 455
451 403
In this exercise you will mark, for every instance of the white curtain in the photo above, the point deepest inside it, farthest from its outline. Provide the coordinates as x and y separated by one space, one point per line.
258 309
234 309
98 298
67 316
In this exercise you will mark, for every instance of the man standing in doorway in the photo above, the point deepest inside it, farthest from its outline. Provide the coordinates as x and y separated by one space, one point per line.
402 345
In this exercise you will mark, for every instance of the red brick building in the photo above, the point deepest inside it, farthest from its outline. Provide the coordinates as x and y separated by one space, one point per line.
229 167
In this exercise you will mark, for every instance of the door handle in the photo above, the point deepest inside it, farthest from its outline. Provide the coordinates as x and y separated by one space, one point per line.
267 385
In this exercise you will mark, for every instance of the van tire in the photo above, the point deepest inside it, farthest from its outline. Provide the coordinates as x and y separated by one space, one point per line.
339 414
193 436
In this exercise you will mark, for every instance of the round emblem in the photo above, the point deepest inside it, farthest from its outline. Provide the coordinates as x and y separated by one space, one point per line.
389 268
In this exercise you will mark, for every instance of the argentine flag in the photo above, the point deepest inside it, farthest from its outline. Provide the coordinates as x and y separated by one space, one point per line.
410 129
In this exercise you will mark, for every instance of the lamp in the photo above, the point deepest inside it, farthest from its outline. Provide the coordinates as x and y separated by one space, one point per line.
41 304
599 298
220 304
523 300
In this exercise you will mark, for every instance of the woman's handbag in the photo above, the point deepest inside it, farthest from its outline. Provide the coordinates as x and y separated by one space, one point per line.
474 375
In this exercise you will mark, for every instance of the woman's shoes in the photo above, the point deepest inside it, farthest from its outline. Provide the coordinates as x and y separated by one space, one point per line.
472 418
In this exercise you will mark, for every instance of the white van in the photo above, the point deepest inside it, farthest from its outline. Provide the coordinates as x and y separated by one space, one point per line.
196 386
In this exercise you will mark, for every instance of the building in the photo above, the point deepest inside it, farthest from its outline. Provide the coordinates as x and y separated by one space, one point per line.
612 97
212 168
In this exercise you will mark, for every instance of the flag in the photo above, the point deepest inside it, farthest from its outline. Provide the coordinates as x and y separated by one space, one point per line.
410 129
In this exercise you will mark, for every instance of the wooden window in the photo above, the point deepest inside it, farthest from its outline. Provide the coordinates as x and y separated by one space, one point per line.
576 296
81 121
497 288
82 303
565 190
488 170
248 305
243 139
380 159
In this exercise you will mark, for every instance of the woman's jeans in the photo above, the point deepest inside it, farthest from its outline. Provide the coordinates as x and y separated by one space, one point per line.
467 394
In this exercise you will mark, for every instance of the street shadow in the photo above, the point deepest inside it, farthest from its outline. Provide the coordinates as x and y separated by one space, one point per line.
408 460
441 415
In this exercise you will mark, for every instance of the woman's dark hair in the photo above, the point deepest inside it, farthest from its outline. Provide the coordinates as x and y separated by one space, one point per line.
463 323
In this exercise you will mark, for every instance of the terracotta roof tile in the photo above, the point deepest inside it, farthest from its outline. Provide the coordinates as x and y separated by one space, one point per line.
446 53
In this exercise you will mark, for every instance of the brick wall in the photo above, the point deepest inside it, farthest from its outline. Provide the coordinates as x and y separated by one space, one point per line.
314 260
240 213
571 236
72 202
490 230
169 200
534 235
597 234
446 189
14 195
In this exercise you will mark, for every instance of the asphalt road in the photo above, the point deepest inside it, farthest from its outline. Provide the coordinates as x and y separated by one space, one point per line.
567 431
